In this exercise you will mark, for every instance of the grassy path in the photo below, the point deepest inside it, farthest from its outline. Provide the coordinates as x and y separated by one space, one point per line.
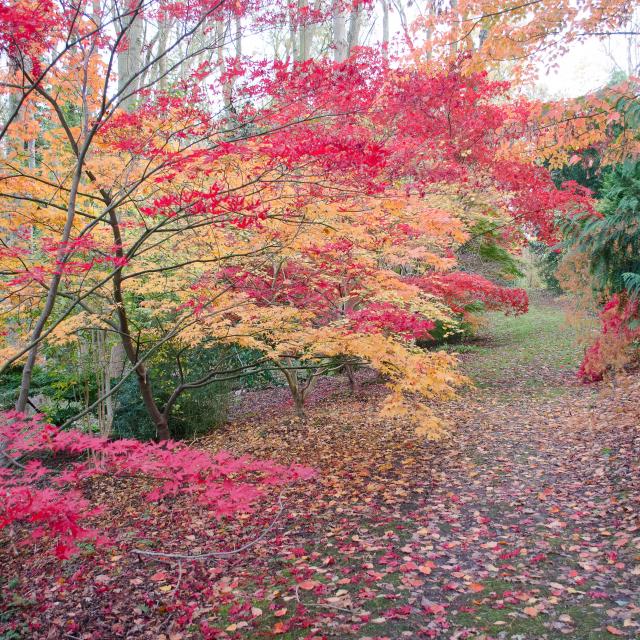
540 522
534 354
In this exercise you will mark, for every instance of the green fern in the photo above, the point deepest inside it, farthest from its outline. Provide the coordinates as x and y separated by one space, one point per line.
632 284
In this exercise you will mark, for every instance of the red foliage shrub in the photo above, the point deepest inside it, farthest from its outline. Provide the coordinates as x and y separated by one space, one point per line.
48 502
616 334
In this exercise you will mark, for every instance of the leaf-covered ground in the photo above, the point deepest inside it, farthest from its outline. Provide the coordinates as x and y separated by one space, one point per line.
523 524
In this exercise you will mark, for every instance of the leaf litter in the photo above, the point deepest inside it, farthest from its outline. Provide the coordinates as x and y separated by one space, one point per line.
522 524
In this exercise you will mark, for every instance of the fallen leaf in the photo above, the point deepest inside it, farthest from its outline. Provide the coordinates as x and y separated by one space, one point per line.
279 627
427 567
308 585
159 576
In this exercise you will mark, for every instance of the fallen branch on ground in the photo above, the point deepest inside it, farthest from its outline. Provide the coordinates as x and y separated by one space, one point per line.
215 554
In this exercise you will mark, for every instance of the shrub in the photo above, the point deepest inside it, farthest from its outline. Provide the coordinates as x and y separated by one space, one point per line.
44 503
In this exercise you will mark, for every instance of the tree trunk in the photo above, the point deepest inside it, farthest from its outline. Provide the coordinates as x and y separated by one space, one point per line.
222 31
303 45
130 57
142 374
52 294
385 26
297 393
339 33
293 42
163 38
299 389
355 20
350 372
454 29
146 390
298 400
306 33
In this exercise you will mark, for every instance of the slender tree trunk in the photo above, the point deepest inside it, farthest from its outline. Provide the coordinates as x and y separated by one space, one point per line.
105 408
306 32
339 33
222 29
142 374
52 294
130 58
163 38
454 29
385 26
303 47
355 21
293 41
238 37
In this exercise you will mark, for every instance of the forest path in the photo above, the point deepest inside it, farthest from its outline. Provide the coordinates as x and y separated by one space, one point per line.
533 515
522 524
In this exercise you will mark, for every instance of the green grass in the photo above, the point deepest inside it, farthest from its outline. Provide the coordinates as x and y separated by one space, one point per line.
533 352
587 622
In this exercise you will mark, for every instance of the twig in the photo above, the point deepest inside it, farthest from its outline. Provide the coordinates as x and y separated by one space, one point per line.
175 591
12 460
215 554
319 604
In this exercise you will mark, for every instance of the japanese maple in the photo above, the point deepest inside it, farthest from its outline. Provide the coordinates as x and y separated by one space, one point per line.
49 503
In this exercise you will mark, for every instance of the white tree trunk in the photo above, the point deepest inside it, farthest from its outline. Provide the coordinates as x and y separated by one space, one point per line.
340 44
355 22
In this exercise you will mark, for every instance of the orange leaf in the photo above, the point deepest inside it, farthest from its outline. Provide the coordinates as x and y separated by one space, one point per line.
614 631
427 567
476 587
280 612
157 577
531 611
279 627
308 585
